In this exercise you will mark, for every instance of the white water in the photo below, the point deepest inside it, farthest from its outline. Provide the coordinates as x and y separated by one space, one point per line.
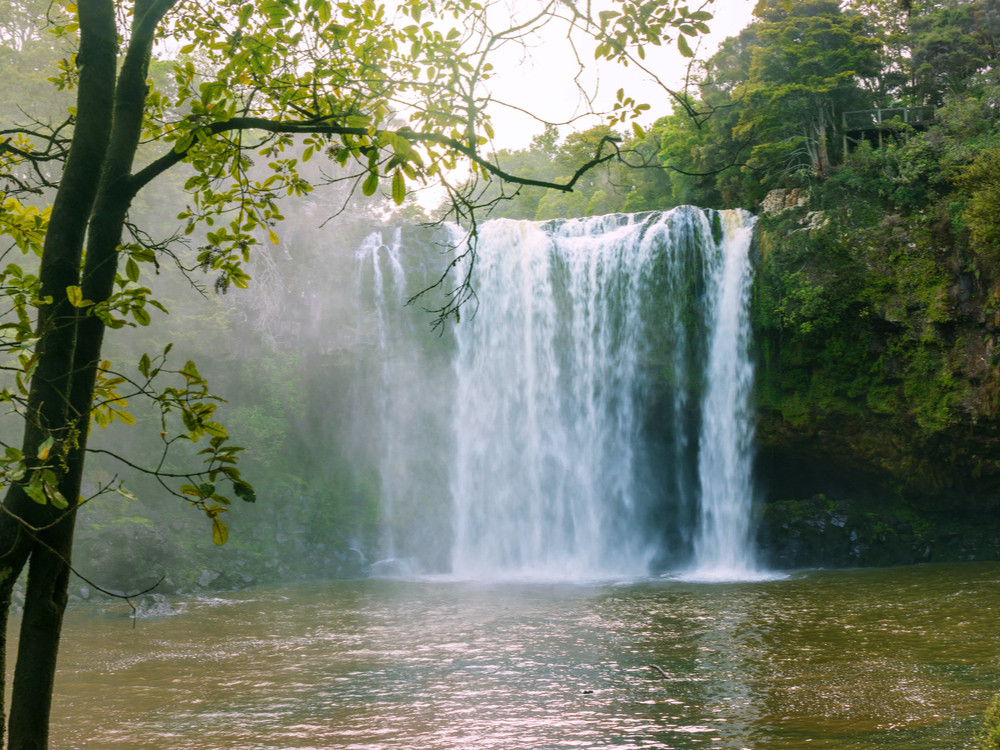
551 475
723 549
382 260
545 431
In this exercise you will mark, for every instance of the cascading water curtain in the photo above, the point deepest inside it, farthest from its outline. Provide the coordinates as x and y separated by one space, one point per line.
381 260
580 322
723 548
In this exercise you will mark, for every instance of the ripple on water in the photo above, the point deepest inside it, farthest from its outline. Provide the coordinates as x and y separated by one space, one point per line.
852 660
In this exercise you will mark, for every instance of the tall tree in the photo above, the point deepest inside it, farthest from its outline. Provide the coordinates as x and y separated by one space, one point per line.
952 44
396 98
804 73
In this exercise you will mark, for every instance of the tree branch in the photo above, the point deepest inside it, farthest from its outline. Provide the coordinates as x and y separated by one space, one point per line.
316 127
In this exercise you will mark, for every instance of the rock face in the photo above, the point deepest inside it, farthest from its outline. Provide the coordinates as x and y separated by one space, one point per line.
780 200
878 393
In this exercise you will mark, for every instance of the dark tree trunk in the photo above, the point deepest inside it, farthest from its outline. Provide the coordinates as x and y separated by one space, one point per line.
107 133
27 529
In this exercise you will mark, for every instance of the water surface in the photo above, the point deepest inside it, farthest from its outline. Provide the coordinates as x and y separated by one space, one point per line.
888 659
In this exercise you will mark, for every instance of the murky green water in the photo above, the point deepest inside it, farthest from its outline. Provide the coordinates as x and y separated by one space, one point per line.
901 658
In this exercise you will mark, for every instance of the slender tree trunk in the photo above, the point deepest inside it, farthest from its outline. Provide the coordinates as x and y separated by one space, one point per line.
822 150
28 530
49 567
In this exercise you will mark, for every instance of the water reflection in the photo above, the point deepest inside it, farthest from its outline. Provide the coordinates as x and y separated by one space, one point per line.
859 659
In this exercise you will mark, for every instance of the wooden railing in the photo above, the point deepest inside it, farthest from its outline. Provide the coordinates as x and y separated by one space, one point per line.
875 119
883 120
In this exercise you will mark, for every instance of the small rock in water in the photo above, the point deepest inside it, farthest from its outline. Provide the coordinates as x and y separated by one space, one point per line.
207 576
154 605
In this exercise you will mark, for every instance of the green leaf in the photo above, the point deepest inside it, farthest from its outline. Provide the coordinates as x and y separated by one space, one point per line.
220 532
370 184
132 270
184 143
143 254
190 371
45 448
35 491
56 497
74 295
214 429
244 492
398 187
684 47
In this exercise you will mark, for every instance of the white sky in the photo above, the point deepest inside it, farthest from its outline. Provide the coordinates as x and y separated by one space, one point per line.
543 83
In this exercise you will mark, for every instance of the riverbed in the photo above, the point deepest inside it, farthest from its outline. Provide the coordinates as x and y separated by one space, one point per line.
890 659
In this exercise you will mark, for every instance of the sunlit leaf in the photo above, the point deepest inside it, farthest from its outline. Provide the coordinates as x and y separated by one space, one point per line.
398 188
220 532
45 448
125 417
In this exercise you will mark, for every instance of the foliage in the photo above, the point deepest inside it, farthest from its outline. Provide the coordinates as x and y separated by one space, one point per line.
802 76
982 213
989 737
953 44
770 104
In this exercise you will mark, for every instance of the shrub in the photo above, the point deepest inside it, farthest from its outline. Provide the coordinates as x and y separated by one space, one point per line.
989 736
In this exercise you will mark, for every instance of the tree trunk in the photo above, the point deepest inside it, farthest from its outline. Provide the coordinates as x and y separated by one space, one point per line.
122 106
29 530
822 150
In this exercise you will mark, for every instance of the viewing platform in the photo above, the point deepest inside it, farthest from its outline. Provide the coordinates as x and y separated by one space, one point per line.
872 123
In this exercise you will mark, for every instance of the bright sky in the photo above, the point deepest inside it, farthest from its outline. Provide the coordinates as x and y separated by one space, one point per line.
542 82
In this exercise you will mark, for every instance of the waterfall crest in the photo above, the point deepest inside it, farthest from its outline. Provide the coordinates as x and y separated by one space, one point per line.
598 411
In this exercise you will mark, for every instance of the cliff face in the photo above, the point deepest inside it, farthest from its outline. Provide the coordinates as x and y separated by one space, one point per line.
878 388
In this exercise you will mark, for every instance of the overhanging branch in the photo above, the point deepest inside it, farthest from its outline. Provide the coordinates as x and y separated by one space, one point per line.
317 127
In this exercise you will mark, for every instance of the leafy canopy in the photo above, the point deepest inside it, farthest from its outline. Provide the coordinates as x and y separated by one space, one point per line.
382 97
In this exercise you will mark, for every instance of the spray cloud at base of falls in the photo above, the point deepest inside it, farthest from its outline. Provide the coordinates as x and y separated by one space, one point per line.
596 402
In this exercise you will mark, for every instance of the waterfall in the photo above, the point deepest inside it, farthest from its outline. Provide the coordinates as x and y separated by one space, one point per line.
380 266
580 322
723 549
595 396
